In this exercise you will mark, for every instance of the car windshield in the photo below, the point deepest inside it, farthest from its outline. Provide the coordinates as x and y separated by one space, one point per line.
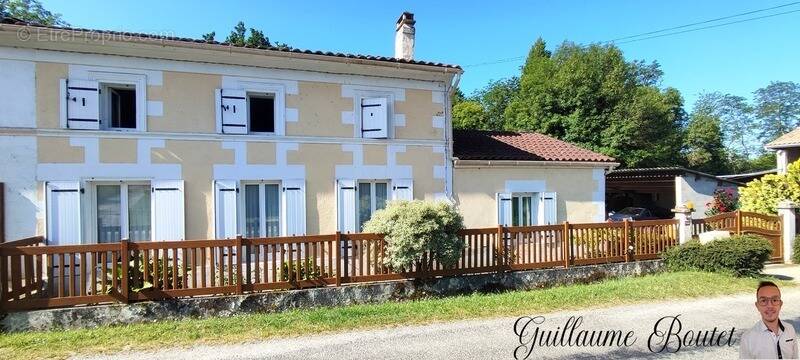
630 211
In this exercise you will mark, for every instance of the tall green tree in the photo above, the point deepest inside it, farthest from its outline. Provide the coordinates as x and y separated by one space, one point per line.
736 120
705 150
469 114
591 96
494 99
32 11
777 109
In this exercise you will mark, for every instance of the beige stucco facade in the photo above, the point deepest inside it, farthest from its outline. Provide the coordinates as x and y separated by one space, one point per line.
181 140
580 190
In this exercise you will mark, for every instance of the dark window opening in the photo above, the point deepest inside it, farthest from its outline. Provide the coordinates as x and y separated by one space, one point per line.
262 114
123 108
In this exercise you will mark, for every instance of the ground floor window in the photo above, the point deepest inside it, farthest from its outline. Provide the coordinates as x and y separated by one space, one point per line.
122 211
372 196
523 210
262 209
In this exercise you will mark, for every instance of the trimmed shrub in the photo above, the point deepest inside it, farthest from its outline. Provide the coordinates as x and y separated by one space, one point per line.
742 255
796 250
414 228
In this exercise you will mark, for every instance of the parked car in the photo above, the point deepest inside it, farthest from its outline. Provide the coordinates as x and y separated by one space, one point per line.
631 213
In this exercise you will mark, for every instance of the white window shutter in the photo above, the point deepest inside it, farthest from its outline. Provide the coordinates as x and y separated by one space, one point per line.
233 111
83 104
293 196
226 204
346 205
63 213
504 209
374 118
402 189
549 208
168 214
536 217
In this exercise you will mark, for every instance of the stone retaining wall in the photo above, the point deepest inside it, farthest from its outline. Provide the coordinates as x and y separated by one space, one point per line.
275 301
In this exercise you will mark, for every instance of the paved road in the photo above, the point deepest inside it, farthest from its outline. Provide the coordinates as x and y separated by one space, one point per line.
495 338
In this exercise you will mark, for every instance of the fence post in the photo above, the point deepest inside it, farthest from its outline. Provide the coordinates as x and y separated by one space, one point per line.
500 247
239 264
124 252
626 234
738 222
338 251
786 213
567 244
684 217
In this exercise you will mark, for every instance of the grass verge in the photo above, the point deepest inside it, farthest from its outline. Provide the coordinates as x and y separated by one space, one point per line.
253 327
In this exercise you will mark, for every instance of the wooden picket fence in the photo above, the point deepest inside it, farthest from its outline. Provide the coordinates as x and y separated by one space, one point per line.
35 276
743 222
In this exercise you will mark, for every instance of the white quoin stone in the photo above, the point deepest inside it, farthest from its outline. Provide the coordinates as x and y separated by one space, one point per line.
404 37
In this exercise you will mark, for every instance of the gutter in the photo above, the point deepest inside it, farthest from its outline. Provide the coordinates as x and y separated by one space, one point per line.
473 164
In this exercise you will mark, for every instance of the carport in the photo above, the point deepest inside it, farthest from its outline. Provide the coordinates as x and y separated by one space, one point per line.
662 189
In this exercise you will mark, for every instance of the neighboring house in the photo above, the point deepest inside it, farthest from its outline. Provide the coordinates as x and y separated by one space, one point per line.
663 189
787 149
518 179
107 135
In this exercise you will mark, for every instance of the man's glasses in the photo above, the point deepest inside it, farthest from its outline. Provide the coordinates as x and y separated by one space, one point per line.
774 301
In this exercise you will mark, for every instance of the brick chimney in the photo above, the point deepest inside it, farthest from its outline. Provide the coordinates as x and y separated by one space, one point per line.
404 37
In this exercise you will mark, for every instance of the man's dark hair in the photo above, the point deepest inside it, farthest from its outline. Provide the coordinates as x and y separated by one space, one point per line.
765 284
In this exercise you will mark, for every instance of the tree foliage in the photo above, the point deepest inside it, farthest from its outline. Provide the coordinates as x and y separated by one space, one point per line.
31 11
703 145
593 97
469 114
777 108
239 36
763 195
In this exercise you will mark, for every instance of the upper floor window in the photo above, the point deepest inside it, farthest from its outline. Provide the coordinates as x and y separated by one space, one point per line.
256 108
261 112
117 106
108 101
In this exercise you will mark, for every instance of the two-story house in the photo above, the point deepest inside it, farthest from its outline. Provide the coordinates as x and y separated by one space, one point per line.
107 135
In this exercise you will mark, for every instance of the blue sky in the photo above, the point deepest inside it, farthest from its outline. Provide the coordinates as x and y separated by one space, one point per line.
737 59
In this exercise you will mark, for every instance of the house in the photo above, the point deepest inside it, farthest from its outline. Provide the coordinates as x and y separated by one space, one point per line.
787 149
107 135
662 189
521 179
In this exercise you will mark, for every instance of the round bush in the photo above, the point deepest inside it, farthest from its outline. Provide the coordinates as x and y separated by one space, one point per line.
742 255
414 228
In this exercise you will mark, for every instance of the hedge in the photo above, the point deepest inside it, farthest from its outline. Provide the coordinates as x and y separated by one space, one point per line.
742 255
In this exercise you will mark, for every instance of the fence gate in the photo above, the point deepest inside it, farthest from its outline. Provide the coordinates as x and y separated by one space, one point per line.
742 222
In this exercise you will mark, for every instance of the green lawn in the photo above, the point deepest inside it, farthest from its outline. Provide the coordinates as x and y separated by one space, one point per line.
251 327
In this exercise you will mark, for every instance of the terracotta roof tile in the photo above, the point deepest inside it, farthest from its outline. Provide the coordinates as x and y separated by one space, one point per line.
790 138
501 145
14 21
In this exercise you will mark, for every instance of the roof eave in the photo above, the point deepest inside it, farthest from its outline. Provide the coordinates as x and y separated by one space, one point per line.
82 36
463 164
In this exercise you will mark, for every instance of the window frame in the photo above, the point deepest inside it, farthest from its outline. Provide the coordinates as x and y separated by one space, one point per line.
105 104
139 81
263 94
373 198
91 208
518 197
262 206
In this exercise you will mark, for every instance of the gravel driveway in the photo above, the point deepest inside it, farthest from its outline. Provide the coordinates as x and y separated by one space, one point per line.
495 338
